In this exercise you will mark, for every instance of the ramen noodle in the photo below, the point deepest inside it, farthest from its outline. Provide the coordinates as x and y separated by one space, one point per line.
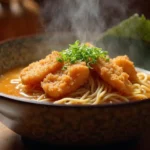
82 74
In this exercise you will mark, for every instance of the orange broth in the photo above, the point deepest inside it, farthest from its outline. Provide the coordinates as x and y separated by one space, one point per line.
6 86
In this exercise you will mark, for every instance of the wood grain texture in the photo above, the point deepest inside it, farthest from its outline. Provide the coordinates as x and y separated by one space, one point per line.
12 26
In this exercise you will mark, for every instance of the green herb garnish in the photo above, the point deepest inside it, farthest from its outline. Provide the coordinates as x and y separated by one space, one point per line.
78 52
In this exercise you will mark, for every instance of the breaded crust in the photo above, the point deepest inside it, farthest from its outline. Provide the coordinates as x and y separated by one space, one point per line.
114 75
64 82
127 66
37 71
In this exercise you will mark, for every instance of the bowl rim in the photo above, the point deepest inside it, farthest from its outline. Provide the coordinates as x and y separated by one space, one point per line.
44 103
41 103
34 36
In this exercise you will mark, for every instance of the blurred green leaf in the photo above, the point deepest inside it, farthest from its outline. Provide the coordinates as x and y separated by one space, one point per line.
135 27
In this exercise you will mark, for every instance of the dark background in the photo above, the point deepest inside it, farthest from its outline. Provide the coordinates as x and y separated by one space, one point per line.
108 11
30 23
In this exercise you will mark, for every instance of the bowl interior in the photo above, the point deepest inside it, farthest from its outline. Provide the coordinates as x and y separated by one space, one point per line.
22 51
137 50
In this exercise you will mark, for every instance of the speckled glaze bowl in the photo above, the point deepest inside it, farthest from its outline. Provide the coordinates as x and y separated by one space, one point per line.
63 124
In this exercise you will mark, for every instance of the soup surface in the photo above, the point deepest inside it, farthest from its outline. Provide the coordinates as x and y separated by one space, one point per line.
8 85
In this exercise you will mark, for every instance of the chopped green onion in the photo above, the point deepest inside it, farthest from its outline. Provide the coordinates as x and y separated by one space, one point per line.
82 52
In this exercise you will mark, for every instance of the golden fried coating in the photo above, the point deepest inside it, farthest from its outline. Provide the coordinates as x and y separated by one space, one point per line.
64 82
114 75
127 66
37 71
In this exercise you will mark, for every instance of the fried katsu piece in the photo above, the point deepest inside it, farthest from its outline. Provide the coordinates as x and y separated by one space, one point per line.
127 66
37 71
65 81
114 75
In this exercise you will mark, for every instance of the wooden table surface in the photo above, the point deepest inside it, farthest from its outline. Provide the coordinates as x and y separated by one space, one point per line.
11 141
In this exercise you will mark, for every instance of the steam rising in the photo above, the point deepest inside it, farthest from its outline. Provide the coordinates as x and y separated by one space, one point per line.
87 19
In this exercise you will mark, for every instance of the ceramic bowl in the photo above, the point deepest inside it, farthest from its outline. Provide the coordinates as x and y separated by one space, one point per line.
63 124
